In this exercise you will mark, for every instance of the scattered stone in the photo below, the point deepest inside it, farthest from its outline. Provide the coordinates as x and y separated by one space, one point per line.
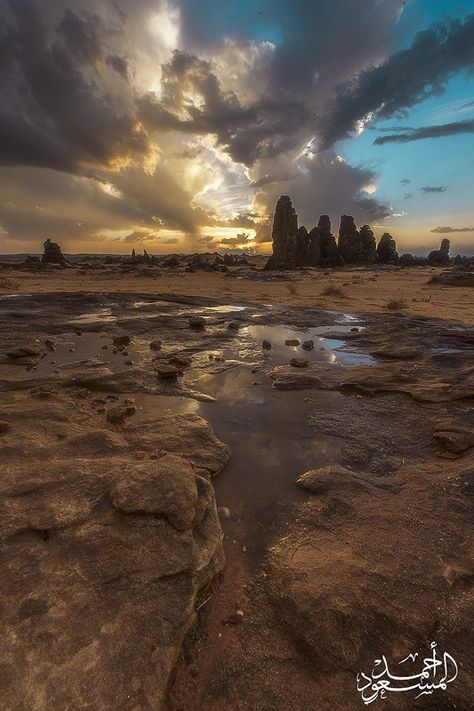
23 352
292 342
4 426
223 512
50 345
121 340
299 362
266 345
168 372
308 345
235 619
128 362
155 345
119 413
197 321
234 325
181 360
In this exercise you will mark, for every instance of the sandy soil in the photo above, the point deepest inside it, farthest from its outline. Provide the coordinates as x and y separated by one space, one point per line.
362 290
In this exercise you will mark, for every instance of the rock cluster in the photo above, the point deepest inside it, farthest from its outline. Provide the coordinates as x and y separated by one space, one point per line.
52 253
295 247
356 246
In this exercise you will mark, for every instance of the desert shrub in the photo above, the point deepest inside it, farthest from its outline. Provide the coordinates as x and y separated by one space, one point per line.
6 283
396 304
292 289
333 291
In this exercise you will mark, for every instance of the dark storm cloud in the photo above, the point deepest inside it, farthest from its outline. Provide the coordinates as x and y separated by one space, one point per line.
433 189
436 131
403 80
118 64
446 230
45 78
264 129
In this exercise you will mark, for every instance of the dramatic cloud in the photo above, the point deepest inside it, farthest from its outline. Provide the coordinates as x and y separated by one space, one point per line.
417 134
446 230
433 189
170 121
403 80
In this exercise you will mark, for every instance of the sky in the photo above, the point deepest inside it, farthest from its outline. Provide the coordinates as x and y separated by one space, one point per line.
175 125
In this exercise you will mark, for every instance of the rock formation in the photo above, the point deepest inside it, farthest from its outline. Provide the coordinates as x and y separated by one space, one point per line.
284 236
327 243
356 247
387 249
441 255
52 253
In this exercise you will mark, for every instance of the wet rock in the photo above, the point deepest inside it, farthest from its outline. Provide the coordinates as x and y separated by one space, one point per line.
167 487
168 372
120 413
155 345
440 256
308 345
223 512
197 322
323 479
292 342
234 325
181 360
4 426
387 249
121 340
24 351
50 345
266 345
299 362
455 439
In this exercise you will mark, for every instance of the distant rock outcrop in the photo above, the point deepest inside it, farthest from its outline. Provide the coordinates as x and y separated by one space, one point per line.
441 255
52 253
285 237
327 243
356 247
387 249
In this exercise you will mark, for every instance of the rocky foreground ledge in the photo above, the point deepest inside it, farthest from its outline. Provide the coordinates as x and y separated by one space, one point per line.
108 535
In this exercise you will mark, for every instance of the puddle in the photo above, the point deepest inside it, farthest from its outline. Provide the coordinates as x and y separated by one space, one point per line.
326 350
93 317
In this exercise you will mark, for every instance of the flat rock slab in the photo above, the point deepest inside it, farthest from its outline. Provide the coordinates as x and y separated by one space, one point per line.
103 554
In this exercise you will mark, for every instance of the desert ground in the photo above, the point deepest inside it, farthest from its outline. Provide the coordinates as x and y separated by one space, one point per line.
234 490
362 290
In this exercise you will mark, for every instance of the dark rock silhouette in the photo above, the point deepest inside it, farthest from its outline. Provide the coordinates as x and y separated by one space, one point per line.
327 243
52 253
387 249
441 255
356 247
285 237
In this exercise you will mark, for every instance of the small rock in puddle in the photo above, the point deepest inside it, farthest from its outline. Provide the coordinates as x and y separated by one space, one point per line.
168 372
292 342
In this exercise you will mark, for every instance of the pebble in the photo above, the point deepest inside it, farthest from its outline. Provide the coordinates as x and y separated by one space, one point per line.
4 426
292 342
308 345
197 322
266 345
